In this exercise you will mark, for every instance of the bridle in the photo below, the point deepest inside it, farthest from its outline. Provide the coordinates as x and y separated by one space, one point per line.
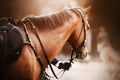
61 65
81 47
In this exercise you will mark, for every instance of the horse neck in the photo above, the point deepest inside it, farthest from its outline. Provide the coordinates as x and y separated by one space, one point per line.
54 39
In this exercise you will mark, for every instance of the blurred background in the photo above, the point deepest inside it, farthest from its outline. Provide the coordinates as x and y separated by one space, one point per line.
103 40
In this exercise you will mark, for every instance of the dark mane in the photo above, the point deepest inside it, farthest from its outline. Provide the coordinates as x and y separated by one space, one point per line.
55 19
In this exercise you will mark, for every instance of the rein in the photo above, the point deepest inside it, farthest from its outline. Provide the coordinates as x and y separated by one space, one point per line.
35 52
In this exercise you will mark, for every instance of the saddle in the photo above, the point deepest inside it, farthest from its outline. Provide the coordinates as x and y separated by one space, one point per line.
11 41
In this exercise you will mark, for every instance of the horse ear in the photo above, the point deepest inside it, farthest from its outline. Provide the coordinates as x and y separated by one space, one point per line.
87 10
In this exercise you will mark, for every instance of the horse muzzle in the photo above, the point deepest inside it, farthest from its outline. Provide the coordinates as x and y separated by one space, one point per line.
81 54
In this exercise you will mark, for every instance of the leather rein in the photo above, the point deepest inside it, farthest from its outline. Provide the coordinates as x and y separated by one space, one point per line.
29 42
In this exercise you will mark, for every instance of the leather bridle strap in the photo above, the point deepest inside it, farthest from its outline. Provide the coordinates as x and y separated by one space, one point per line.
77 50
43 49
83 27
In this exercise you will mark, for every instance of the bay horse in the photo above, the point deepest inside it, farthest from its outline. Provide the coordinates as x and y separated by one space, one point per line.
46 34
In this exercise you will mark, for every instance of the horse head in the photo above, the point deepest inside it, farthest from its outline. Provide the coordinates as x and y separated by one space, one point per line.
78 37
